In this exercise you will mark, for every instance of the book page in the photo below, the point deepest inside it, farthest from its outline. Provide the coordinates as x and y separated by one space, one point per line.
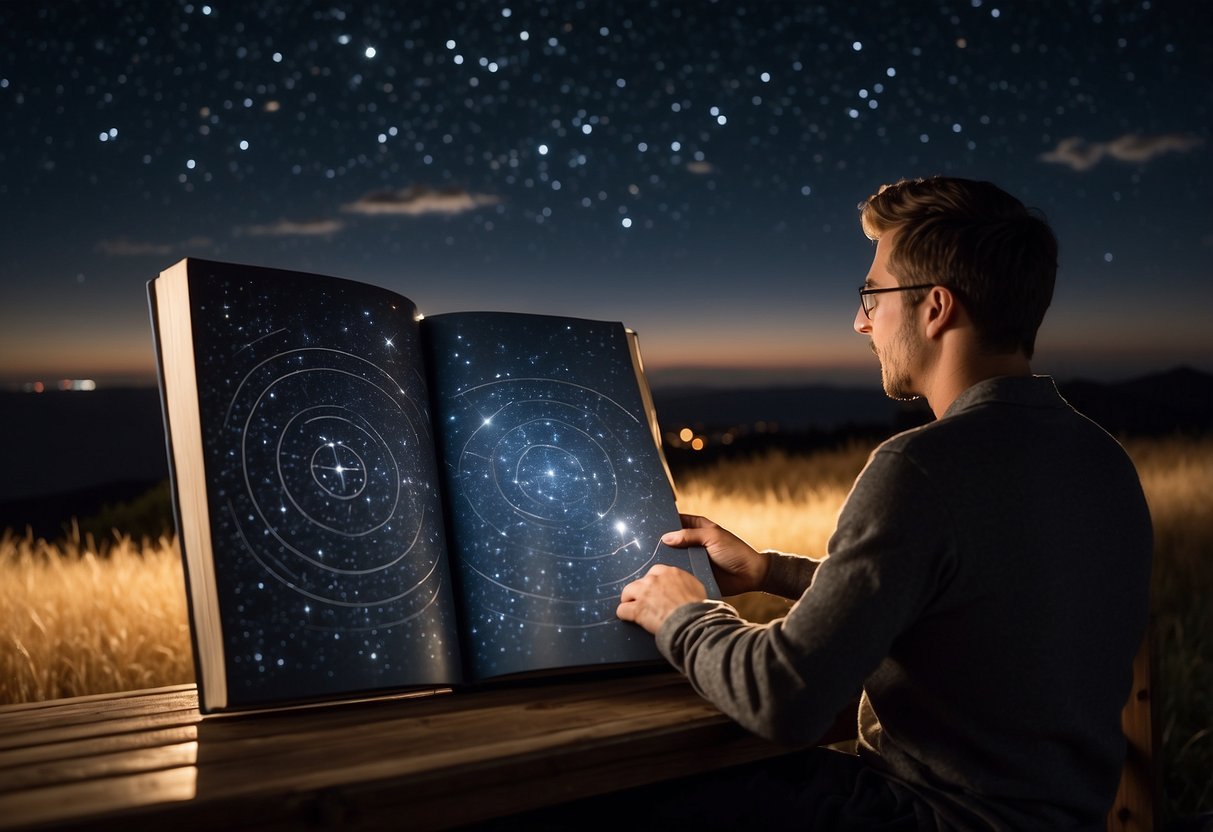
557 492
326 518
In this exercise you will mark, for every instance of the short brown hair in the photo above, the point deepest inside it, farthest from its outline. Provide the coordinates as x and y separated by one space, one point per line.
999 257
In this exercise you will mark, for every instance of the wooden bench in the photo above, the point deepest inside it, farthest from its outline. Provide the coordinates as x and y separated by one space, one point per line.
1137 807
147 759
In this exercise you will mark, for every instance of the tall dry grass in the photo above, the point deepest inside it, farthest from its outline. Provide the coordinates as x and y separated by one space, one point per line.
80 618
1177 476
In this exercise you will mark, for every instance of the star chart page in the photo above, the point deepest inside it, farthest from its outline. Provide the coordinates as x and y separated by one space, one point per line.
557 493
325 506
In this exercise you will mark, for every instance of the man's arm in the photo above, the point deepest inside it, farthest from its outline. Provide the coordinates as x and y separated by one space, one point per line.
787 679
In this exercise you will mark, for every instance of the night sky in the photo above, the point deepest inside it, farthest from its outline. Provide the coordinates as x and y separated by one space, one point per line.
691 169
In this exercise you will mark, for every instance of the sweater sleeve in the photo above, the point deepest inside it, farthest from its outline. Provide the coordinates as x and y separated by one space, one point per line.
789 575
788 679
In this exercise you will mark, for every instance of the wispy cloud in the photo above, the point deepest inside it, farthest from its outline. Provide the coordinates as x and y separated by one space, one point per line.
124 247
418 200
1082 155
294 228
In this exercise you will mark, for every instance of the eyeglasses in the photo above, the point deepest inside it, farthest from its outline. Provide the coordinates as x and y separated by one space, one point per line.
868 303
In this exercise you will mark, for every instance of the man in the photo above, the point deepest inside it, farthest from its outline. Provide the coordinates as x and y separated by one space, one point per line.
987 583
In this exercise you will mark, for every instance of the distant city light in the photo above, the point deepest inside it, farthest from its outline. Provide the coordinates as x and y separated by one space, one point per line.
67 385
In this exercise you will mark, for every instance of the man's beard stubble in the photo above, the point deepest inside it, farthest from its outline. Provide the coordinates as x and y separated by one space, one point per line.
894 363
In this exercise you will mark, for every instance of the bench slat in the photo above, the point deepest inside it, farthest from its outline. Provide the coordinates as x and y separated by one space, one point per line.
438 760
29 755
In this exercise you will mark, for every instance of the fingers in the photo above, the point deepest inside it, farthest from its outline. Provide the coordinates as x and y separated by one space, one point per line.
695 531
630 606
628 593
649 601
632 590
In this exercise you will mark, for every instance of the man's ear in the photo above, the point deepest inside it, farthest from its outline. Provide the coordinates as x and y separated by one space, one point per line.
942 310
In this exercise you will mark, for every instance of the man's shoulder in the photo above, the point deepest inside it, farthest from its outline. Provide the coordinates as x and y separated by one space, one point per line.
922 437
1010 421
991 407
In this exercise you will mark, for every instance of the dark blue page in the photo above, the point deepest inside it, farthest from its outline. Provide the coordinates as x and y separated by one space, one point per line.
326 517
557 491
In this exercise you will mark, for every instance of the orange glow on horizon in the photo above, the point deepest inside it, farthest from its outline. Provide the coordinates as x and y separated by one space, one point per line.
68 360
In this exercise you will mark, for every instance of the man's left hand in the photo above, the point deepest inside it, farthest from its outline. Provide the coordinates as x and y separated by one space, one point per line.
650 600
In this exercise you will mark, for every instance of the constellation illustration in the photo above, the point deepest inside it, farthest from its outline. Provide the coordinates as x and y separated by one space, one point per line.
544 470
334 498
326 514
558 493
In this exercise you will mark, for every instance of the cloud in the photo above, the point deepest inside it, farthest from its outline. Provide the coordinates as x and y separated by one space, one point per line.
123 247
418 200
1076 153
1144 148
293 228
1082 155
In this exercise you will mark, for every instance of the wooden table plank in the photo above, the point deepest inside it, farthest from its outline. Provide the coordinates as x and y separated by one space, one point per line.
143 761
101 766
68 806
96 716
33 754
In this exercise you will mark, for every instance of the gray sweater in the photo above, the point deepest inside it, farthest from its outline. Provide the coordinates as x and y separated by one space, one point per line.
986 587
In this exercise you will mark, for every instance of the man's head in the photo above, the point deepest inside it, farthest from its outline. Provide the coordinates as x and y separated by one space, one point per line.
996 256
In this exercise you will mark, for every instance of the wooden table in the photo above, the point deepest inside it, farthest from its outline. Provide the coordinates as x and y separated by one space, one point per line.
147 759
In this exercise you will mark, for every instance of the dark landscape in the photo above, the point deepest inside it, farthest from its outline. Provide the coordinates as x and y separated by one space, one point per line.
73 454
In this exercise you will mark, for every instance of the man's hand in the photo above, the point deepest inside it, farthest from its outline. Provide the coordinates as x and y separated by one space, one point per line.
650 600
738 567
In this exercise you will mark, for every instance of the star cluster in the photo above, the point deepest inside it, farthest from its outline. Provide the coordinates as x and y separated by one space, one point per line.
640 149
326 518
557 494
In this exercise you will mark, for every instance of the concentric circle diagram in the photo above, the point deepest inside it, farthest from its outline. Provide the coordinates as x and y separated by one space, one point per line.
337 502
544 467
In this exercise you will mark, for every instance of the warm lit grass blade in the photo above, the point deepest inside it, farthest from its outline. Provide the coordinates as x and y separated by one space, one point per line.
77 621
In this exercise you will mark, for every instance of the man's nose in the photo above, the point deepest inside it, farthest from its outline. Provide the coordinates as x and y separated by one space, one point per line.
862 323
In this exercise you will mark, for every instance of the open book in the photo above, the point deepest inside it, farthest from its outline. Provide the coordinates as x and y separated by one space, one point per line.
368 500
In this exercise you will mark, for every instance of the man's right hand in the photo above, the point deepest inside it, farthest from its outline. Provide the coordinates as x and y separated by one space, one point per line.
738 567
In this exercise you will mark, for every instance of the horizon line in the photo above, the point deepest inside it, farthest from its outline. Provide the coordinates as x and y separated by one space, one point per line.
669 378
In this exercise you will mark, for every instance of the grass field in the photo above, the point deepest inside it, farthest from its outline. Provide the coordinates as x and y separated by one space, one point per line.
83 616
